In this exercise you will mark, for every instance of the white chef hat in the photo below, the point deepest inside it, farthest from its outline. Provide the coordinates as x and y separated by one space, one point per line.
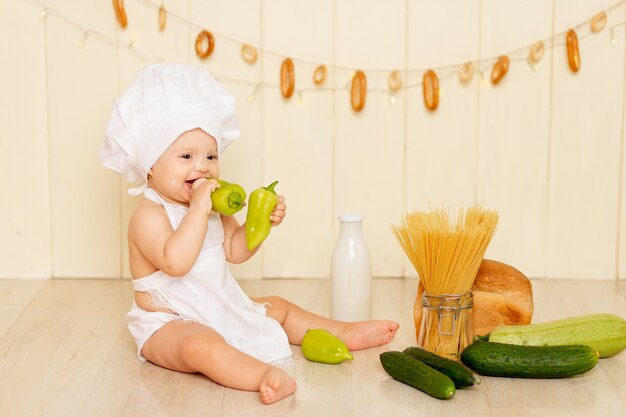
165 101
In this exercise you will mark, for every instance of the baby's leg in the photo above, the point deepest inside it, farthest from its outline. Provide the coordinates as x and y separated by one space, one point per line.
357 335
192 347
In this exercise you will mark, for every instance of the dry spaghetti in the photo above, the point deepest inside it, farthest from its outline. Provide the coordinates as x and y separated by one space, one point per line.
446 253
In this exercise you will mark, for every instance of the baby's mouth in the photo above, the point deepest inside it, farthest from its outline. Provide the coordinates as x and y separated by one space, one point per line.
190 182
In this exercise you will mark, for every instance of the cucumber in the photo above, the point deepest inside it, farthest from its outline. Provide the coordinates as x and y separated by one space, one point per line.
460 374
605 333
500 359
412 372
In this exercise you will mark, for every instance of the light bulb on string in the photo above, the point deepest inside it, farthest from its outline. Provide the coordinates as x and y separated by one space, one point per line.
612 37
133 40
532 64
350 77
483 79
83 41
301 101
392 99
253 93
43 13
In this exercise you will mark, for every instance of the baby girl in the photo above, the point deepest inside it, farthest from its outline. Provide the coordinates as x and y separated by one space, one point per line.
167 134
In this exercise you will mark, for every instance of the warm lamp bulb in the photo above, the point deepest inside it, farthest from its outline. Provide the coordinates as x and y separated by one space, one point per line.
612 37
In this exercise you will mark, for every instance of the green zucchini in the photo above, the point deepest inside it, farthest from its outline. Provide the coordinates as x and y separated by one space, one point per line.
500 359
412 372
460 374
605 333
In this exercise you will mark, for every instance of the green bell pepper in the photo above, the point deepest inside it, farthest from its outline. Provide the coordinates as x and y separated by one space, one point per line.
260 205
319 345
229 198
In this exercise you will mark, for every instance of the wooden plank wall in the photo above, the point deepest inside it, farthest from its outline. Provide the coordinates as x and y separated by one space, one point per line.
545 147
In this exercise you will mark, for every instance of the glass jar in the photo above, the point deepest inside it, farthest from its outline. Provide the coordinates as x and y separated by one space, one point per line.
446 327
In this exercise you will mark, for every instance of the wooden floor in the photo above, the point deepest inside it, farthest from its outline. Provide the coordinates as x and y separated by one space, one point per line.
65 351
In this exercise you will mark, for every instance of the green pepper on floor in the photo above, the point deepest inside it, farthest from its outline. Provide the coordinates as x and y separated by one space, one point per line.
260 205
320 345
229 198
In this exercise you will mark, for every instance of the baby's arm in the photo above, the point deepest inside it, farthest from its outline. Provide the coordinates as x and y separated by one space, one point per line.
172 251
235 234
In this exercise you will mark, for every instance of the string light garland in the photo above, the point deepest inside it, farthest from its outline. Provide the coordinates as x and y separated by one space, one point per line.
465 72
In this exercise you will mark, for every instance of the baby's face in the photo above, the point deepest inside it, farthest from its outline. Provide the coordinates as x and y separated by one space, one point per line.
193 155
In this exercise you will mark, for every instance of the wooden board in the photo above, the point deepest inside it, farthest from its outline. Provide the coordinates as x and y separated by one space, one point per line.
65 351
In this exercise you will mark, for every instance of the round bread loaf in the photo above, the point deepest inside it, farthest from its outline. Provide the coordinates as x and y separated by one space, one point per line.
502 295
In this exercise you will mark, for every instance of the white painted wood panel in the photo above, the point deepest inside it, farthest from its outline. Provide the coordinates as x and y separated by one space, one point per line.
25 238
586 135
84 199
514 133
545 148
369 145
440 156
297 141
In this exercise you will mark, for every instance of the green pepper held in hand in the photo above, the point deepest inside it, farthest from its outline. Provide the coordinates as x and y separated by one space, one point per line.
319 345
229 198
260 206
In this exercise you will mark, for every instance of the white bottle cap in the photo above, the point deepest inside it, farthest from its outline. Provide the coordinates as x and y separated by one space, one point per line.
351 217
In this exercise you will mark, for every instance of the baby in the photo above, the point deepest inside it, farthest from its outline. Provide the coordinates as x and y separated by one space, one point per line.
166 134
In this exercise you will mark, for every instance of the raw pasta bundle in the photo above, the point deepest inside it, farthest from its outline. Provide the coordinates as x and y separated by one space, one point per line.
446 252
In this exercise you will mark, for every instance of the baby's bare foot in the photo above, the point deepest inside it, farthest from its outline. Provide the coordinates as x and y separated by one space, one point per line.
276 385
366 334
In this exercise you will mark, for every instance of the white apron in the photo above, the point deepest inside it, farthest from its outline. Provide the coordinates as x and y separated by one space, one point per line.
207 294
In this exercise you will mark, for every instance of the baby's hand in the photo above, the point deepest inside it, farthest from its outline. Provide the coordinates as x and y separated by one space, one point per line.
279 212
201 194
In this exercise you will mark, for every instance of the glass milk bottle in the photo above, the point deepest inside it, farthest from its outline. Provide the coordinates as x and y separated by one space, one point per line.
351 272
